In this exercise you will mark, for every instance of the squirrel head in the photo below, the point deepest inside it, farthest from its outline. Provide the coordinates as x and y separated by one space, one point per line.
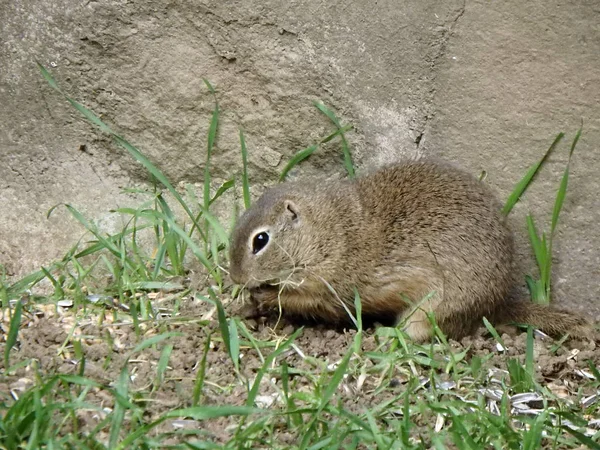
274 241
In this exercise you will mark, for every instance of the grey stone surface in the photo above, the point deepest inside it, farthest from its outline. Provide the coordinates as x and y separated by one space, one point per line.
485 84
512 77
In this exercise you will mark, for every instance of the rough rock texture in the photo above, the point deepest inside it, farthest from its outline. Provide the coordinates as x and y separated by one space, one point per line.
486 84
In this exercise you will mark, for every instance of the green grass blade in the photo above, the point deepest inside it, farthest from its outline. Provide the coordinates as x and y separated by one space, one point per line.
214 253
222 318
562 191
215 225
171 244
522 185
375 432
462 438
107 244
79 380
234 343
222 189
127 442
198 253
332 386
195 412
138 156
199 384
133 151
154 340
345 147
38 423
118 414
357 342
268 361
89 115
209 86
335 134
245 183
533 437
594 370
163 363
529 367
212 136
58 290
303 154
157 285
297 158
560 198
212 412
13 332
538 245
493 332
582 438
27 282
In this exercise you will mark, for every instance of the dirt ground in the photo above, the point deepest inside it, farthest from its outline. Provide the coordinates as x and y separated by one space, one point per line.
47 335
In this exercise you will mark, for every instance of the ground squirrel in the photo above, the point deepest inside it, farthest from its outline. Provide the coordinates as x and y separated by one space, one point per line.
411 231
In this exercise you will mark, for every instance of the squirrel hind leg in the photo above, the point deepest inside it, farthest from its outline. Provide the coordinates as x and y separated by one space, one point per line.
417 326
420 329
550 320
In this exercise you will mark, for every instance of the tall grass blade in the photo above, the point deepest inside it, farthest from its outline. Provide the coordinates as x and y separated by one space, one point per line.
154 340
133 151
332 386
58 290
27 282
297 158
462 437
245 183
375 432
212 412
199 384
40 418
212 136
303 154
197 251
163 363
222 318
13 332
196 413
529 353
522 185
138 156
562 191
488 325
539 248
118 415
533 437
234 344
222 189
268 361
582 438
345 147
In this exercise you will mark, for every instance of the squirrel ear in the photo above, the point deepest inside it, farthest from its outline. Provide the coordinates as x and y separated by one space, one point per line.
291 211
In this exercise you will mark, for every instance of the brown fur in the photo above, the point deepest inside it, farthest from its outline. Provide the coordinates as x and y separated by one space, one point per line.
397 235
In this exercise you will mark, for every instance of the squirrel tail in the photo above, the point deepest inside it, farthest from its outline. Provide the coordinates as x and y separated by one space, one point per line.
550 320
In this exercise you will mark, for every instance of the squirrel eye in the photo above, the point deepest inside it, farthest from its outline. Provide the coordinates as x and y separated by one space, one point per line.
259 241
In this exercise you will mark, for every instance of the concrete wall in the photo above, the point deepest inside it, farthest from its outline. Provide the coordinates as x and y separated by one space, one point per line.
486 84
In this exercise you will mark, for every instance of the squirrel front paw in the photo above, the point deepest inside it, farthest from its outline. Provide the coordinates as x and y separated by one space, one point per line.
265 296
261 302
